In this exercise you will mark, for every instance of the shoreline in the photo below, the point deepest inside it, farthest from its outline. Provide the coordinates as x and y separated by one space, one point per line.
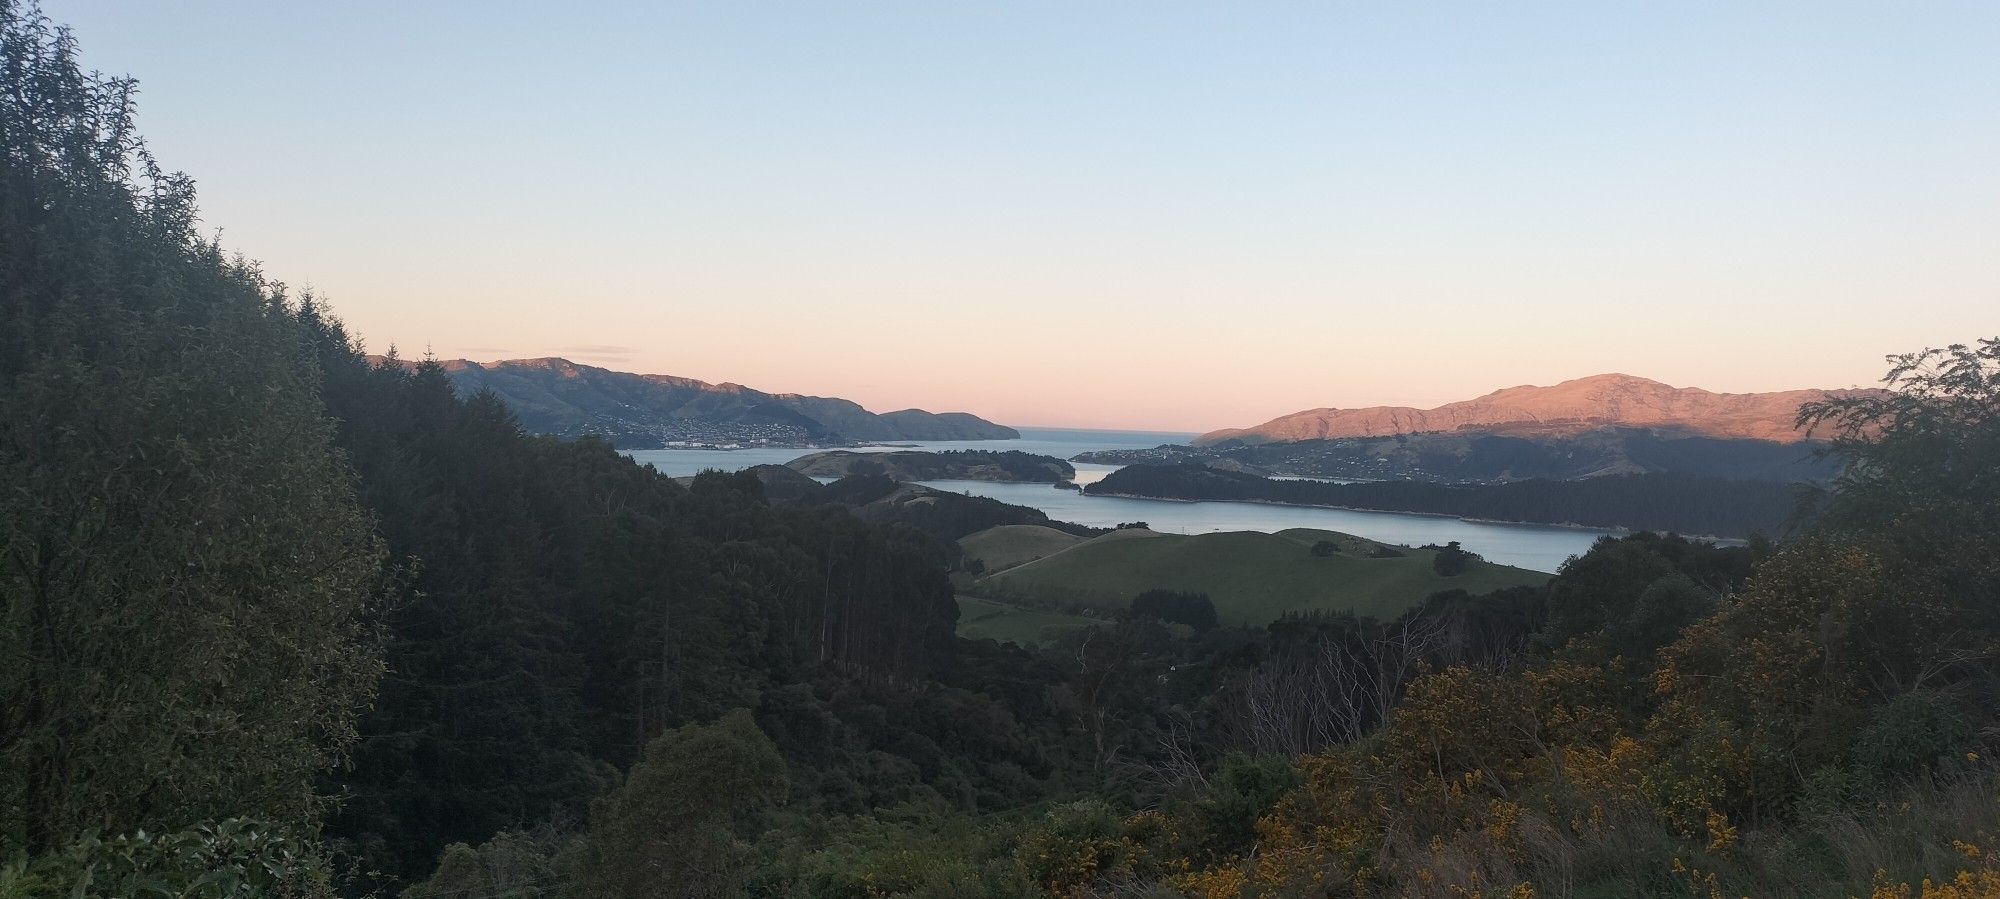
1568 526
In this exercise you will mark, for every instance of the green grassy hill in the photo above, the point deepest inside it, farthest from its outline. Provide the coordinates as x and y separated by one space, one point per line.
981 619
1253 577
1012 544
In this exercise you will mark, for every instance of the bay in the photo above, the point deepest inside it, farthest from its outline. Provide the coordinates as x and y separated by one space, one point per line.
1535 547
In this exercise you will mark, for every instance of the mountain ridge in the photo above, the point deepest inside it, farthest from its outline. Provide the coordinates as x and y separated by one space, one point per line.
553 395
1565 408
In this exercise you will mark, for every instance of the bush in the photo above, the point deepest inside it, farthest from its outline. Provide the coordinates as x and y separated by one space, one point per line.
1088 848
232 859
1241 793
1663 610
1910 733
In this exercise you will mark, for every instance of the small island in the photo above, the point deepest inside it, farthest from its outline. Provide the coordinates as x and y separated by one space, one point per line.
1011 466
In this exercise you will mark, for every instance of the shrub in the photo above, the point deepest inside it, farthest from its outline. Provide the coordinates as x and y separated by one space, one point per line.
1909 733
231 859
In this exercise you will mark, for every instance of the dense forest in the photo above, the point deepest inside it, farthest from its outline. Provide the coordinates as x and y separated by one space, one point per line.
281 623
1687 504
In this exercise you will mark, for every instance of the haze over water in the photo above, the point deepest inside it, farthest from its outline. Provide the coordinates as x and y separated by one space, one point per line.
1535 547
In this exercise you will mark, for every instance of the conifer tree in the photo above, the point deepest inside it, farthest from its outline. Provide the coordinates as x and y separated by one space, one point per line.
184 571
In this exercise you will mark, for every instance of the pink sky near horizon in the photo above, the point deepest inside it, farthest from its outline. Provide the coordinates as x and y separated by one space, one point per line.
1121 215
888 398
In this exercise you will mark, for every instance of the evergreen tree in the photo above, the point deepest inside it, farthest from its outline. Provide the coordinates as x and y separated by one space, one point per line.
184 570
670 830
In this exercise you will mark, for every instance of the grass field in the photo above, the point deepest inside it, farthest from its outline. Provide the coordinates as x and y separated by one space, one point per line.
1252 577
980 619
1012 544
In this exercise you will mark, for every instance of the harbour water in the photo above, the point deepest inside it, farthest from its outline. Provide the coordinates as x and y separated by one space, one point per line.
1536 547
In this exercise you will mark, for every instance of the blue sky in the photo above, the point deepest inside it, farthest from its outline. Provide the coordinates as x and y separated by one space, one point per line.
1124 214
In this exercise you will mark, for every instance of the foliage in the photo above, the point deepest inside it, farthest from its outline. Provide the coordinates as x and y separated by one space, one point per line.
1087 847
511 865
1925 449
185 576
905 852
231 859
1925 477
1451 560
1602 592
670 829
1705 721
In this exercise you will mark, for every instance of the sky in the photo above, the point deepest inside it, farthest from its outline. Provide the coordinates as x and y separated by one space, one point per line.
1141 214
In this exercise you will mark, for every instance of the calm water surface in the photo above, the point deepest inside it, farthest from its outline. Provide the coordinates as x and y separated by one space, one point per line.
1043 441
1534 547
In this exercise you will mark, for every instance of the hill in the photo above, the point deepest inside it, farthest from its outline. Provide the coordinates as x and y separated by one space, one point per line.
1477 456
960 465
1008 545
1253 577
1567 408
1677 503
636 411
942 515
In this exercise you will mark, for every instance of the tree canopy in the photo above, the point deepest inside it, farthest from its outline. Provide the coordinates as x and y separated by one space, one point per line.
188 580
